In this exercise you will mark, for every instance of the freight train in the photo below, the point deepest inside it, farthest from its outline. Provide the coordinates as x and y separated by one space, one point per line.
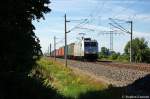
84 49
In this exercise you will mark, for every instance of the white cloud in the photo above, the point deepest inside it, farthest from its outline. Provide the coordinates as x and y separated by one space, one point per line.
143 17
71 5
141 34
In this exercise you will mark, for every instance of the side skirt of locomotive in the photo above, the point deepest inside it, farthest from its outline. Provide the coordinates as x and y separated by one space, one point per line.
86 57
92 57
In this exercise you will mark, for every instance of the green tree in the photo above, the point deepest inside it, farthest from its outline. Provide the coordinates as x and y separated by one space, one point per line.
140 49
104 52
19 46
123 58
114 55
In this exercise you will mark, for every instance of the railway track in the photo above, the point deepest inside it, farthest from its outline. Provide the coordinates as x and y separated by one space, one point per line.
134 66
115 73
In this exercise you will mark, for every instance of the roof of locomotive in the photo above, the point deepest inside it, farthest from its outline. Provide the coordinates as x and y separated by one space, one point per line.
85 40
89 40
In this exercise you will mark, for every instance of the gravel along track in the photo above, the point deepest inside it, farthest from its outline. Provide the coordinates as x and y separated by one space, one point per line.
114 75
135 66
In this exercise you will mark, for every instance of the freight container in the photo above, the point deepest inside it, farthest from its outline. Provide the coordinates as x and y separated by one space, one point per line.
62 52
70 50
79 49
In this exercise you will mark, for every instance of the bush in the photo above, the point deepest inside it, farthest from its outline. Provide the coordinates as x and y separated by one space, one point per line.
124 58
113 56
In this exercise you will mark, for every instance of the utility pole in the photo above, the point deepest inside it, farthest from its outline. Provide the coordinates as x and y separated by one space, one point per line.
65 51
131 41
111 40
111 33
65 41
116 25
55 48
50 49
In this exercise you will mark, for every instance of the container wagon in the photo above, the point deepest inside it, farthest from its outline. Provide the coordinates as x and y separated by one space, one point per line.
70 50
86 49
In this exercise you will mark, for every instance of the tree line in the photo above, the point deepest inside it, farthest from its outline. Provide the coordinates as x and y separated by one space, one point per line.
20 49
19 46
140 49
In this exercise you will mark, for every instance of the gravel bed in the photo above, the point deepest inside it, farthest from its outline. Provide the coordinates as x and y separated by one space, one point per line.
117 76
134 66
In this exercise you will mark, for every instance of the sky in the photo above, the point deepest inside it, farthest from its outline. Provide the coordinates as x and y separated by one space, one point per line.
92 18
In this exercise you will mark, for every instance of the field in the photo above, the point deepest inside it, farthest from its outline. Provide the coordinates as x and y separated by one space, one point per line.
71 83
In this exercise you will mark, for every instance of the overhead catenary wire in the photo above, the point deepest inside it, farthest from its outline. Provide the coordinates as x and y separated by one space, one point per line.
97 10
77 25
127 8
86 21
123 10
124 30
90 17
60 41
118 25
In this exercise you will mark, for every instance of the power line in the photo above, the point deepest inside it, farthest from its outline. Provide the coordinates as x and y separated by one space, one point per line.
60 41
91 15
98 9
78 25
125 9
116 25
122 29
111 33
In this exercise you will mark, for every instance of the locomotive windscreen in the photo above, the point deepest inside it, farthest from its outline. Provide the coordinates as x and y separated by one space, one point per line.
92 44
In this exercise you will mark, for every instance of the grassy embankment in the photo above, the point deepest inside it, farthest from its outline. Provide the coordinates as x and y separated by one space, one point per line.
51 80
65 80
71 84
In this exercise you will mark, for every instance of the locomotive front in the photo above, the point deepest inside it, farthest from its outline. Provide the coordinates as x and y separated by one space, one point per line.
90 49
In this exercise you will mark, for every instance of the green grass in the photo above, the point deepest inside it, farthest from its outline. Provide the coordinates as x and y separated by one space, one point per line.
51 80
64 80
72 83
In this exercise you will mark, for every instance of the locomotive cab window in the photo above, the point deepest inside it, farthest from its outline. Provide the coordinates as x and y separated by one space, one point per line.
86 44
92 44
